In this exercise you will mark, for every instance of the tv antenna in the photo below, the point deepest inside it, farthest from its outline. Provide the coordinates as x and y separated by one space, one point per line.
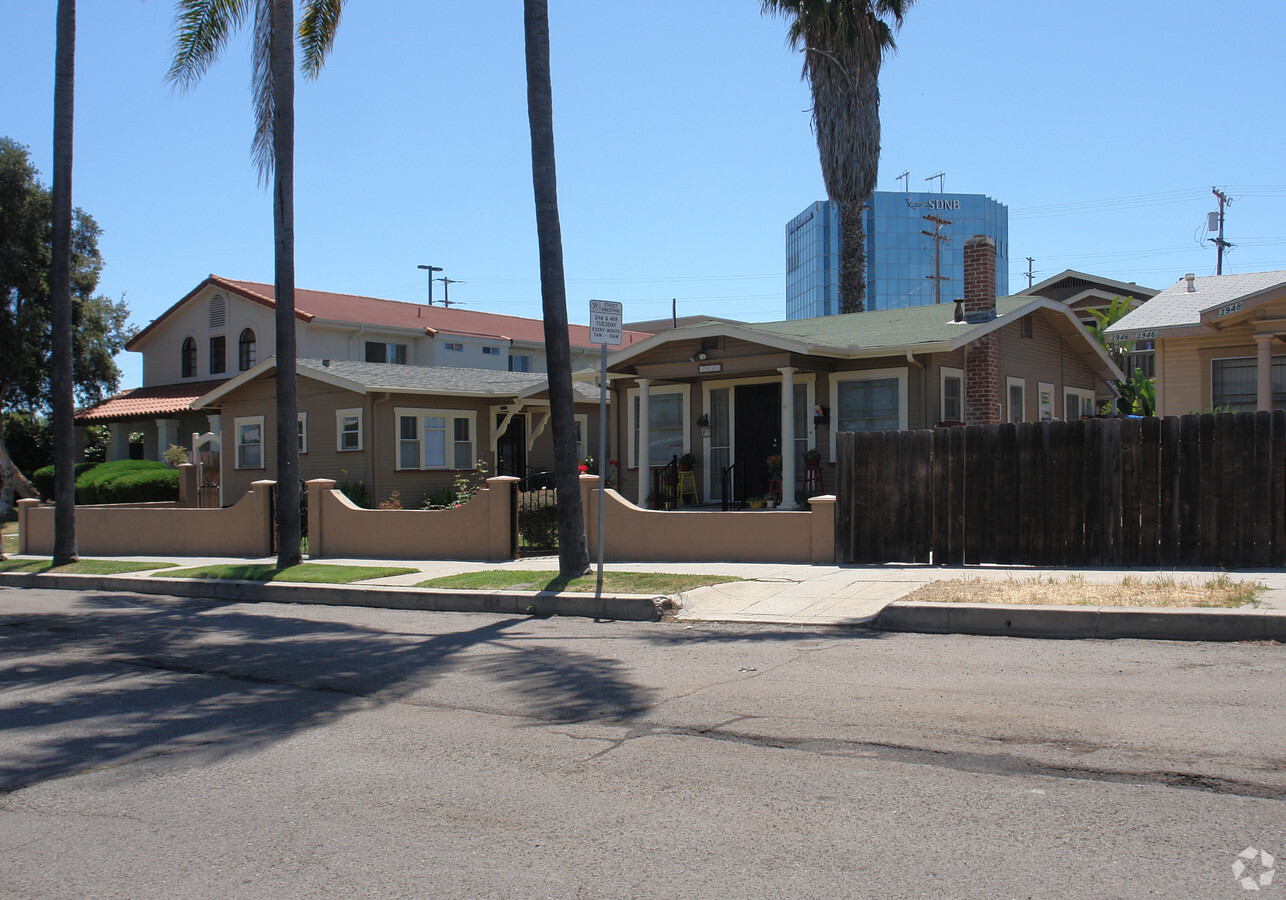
905 178
941 176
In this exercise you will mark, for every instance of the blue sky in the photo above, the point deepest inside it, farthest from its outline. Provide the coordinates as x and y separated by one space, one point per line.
683 145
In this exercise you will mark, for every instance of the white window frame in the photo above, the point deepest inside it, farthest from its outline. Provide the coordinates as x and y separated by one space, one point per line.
1045 413
944 373
420 414
808 379
340 416
1083 396
656 391
839 378
526 357
1010 383
583 450
489 350
237 425
453 346
302 429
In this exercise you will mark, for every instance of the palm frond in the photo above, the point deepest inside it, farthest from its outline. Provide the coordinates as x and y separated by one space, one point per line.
201 31
262 89
317 29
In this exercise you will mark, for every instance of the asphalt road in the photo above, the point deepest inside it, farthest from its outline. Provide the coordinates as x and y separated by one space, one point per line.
152 747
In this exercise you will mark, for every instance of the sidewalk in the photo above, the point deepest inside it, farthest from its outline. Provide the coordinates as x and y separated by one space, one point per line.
777 594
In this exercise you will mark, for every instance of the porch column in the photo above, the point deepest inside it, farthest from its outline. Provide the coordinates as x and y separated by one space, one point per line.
167 432
788 438
118 446
216 427
1264 372
645 444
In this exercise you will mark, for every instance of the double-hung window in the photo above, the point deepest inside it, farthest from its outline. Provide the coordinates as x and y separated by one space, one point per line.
1017 390
249 442
436 439
667 425
1077 402
380 352
873 400
1234 383
348 430
952 395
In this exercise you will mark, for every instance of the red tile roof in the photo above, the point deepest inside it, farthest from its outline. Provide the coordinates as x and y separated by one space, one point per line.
146 402
311 305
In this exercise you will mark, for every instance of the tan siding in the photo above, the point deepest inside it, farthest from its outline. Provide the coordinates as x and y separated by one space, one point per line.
1046 356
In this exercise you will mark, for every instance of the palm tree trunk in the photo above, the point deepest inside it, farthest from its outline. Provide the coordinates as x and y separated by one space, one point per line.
852 258
289 550
573 552
60 290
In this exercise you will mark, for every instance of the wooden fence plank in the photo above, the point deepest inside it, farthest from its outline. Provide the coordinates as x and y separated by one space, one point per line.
1024 464
1071 494
1278 487
1006 488
1190 490
1226 463
957 507
1207 501
1243 547
1040 492
1260 485
941 496
922 476
1168 493
1149 492
975 520
1130 487
1093 491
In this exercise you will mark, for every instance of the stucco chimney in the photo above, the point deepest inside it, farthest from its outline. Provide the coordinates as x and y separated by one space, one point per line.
980 279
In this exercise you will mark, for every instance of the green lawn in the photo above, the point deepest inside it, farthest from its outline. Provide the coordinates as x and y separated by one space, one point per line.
9 537
658 583
83 567
308 573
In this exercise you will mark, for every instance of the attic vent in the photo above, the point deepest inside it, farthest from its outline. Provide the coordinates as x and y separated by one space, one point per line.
218 311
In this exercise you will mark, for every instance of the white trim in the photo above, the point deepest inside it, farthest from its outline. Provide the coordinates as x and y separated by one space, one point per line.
302 429
838 378
237 425
583 450
450 416
340 416
808 379
1082 395
1045 387
1010 383
944 373
654 391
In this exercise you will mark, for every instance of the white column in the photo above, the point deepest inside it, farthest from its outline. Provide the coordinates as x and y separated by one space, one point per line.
645 447
1264 373
788 438
215 427
167 432
118 447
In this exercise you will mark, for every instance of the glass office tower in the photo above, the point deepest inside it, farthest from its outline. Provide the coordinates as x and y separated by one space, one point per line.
899 255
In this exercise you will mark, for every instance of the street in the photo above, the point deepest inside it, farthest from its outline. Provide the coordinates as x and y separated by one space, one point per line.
156 747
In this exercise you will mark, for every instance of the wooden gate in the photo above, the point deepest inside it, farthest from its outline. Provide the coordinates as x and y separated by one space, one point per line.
1206 490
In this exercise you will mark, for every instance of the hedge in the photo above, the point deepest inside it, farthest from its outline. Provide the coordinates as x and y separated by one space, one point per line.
128 481
43 478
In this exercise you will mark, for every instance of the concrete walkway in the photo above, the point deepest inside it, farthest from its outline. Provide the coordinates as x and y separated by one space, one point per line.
780 594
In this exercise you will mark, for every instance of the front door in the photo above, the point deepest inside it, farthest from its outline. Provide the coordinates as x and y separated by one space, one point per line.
757 435
511 448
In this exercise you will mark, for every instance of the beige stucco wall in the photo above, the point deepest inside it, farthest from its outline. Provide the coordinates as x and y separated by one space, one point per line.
634 534
479 530
243 530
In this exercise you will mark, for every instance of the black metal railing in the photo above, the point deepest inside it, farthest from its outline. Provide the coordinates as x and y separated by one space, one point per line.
728 489
537 513
665 485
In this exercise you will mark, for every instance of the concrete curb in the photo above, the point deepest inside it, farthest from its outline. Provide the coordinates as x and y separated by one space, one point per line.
1085 622
626 607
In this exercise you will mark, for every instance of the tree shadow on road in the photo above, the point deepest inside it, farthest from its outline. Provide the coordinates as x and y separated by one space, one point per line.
120 677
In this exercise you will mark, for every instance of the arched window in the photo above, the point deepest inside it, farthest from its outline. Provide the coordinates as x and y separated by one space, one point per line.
189 357
246 350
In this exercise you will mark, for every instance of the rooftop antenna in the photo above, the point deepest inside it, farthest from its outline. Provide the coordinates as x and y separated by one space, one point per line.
941 176
905 178
430 270
446 290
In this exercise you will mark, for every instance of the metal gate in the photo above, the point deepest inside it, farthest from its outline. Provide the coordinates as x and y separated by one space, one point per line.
205 453
537 514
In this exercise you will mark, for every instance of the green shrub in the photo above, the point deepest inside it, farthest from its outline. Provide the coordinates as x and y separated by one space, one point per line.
128 481
538 525
43 479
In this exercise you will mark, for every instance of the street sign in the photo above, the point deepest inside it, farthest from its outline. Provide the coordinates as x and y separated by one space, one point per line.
605 318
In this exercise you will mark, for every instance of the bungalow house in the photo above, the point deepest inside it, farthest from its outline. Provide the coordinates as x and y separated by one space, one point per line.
224 327
735 394
1215 338
410 429
1083 292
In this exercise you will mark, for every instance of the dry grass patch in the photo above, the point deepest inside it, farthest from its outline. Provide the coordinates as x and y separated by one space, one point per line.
1075 590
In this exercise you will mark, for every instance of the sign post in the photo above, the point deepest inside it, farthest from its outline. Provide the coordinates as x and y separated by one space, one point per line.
605 321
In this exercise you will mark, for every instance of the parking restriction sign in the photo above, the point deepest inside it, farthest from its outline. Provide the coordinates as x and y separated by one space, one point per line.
605 317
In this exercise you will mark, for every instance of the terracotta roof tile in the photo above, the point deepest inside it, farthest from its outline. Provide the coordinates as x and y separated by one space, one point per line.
148 401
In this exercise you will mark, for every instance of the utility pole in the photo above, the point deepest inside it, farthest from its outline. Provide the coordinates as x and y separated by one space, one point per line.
430 270
942 178
446 290
1030 273
938 239
1219 241
905 178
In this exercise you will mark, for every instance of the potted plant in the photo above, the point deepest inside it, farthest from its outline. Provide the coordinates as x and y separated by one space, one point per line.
755 502
812 457
687 461
774 466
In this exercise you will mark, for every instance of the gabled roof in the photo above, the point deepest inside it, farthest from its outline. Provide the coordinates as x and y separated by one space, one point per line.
1070 286
324 306
1177 307
865 335
364 377
148 402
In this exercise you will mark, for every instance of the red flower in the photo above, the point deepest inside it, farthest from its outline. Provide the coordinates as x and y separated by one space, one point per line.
584 469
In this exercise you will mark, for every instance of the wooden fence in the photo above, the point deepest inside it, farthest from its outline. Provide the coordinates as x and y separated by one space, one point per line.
1201 490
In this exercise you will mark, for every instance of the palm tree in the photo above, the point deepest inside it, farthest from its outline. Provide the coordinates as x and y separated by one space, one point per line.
60 289
203 28
844 44
573 553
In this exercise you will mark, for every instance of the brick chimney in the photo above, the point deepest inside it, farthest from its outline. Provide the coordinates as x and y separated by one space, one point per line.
982 357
